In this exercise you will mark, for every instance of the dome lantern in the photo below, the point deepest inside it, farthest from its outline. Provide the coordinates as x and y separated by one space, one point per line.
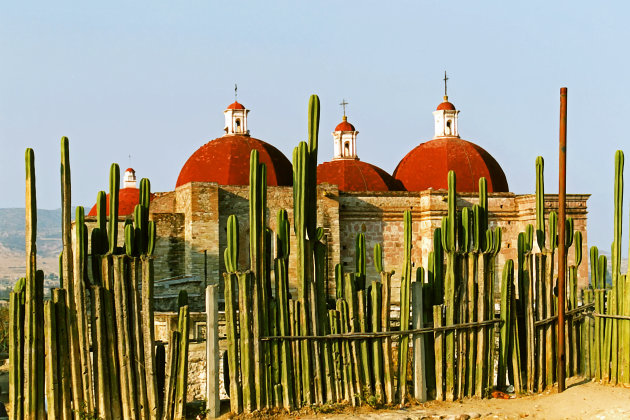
129 179
345 140
236 119
446 120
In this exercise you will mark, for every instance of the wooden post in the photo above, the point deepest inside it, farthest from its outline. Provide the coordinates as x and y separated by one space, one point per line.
213 405
419 378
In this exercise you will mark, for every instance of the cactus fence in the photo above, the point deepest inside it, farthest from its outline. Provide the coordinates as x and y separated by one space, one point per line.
290 351
89 350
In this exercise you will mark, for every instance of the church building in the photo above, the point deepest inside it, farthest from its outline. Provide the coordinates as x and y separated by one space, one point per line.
353 196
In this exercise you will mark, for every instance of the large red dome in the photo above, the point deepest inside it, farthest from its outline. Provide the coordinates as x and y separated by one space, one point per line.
127 200
427 166
226 161
355 175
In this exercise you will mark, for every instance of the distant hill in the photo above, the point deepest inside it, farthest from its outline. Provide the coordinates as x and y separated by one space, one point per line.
12 254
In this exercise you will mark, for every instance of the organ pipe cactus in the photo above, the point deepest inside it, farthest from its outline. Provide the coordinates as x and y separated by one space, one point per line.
339 279
405 294
281 265
378 258
594 257
483 211
577 239
152 237
359 258
33 345
466 230
257 211
553 230
540 203
130 237
305 220
231 251
114 188
16 349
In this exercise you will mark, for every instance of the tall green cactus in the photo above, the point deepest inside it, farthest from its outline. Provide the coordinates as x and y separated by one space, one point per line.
405 295
281 265
305 224
618 208
33 346
114 188
577 239
360 258
339 279
553 230
378 258
540 202
231 251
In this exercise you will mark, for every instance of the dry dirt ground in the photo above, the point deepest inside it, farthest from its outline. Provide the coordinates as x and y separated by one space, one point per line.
581 400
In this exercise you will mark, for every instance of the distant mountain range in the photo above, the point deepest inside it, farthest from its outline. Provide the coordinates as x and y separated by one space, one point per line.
12 254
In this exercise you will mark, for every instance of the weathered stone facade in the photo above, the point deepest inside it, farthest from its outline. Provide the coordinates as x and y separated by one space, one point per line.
191 226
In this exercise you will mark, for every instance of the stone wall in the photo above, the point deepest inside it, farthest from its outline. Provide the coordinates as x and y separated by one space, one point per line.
193 219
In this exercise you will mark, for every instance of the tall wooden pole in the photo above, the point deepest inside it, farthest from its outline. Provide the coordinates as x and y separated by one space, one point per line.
562 189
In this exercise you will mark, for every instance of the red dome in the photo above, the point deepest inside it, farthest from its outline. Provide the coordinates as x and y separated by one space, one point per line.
354 175
427 166
128 198
344 126
446 105
226 161
235 105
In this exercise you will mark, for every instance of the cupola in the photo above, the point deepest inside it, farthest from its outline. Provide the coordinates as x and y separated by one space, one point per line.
236 119
345 140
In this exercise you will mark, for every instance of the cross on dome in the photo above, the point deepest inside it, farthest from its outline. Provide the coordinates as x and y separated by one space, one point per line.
343 104
445 116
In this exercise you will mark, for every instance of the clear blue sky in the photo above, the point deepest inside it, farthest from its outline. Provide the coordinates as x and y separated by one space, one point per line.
151 80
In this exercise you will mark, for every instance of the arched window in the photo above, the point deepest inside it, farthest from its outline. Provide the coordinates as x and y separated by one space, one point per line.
238 125
448 127
346 149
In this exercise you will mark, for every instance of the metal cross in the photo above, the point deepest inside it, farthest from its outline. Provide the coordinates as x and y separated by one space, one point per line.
343 104
235 91
445 80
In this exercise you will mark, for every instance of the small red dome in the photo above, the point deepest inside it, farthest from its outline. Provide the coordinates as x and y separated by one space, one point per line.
354 175
226 161
344 126
446 105
235 105
427 166
128 198
130 170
